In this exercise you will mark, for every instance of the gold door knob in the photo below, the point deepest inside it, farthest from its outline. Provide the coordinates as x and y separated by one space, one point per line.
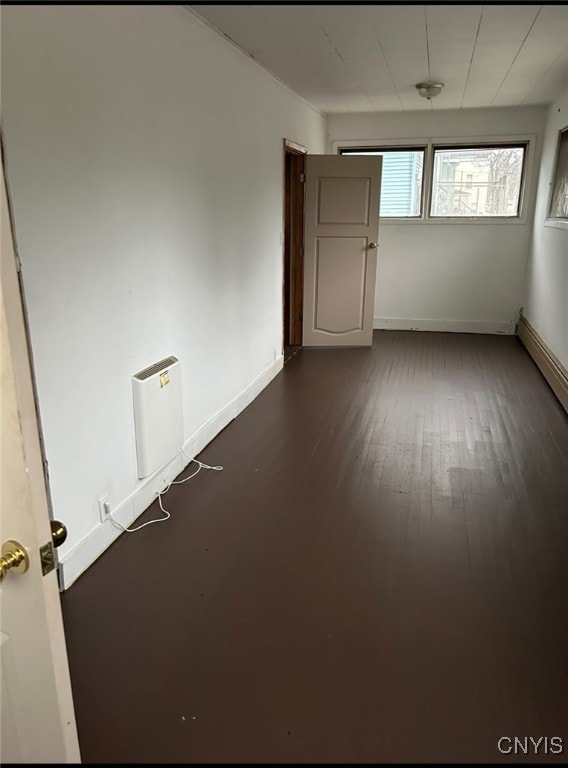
14 557
58 533
373 245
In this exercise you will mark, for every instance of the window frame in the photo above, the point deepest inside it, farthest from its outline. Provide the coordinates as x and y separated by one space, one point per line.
485 145
398 148
548 220
527 191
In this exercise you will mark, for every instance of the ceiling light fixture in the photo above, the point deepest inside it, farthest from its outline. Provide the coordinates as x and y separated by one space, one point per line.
429 90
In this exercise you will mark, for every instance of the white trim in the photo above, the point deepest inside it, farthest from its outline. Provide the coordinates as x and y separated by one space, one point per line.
84 554
413 141
549 365
445 220
452 326
556 223
527 191
400 143
552 222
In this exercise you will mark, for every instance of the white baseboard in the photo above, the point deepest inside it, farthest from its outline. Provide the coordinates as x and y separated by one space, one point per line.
453 326
84 554
549 365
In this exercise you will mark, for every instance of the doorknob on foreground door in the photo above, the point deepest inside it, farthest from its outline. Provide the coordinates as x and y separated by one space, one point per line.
14 557
373 245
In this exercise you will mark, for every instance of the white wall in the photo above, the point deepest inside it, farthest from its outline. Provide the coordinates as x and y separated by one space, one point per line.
545 304
144 160
449 276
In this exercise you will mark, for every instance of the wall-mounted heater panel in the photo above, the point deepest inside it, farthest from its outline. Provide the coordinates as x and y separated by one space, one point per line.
158 415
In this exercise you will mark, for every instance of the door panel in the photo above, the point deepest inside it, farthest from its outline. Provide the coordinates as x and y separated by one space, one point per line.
343 201
342 219
37 715
340 264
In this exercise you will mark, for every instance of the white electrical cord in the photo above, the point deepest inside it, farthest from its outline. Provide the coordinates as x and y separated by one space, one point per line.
160 494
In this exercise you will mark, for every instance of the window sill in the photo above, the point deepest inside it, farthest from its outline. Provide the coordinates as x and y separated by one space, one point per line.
445 220
556 224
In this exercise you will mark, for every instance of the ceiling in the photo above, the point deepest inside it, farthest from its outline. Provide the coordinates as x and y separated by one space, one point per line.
367 58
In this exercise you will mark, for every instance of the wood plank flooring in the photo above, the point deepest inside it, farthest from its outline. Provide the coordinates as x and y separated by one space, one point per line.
379 574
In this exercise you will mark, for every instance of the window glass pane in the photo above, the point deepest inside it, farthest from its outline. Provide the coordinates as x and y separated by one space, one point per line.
401 182
481 181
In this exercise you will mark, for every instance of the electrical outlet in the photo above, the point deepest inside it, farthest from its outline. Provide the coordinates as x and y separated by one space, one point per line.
102 511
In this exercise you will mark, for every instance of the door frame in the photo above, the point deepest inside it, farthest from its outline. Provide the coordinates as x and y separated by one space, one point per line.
294 174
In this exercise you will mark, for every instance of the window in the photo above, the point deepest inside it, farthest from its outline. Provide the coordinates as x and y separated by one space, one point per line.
402 179
456 181
559 199
477 181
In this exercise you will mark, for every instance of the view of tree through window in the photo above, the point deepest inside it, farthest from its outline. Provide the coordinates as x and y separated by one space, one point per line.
477 181
401 182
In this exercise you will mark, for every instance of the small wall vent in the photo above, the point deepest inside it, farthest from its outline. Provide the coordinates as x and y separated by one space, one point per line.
158 414
156 368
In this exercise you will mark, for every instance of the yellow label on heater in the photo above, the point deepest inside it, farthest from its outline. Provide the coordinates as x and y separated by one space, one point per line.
164 379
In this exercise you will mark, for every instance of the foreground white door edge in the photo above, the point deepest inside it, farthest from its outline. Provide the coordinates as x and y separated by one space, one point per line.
37 713
341 239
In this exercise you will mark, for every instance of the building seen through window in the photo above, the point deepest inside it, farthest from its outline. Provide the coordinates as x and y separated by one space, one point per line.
465 182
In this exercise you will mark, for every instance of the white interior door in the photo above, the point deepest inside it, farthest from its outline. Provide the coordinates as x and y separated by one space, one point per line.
37 715
341 237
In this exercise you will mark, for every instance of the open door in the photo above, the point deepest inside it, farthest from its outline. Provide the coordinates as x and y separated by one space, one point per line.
37 714
341 240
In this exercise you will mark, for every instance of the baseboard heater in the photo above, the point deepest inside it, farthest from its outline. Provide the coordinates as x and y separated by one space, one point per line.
158 414
547 362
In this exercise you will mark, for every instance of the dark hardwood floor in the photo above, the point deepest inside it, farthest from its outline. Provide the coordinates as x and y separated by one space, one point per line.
290 350
379 574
